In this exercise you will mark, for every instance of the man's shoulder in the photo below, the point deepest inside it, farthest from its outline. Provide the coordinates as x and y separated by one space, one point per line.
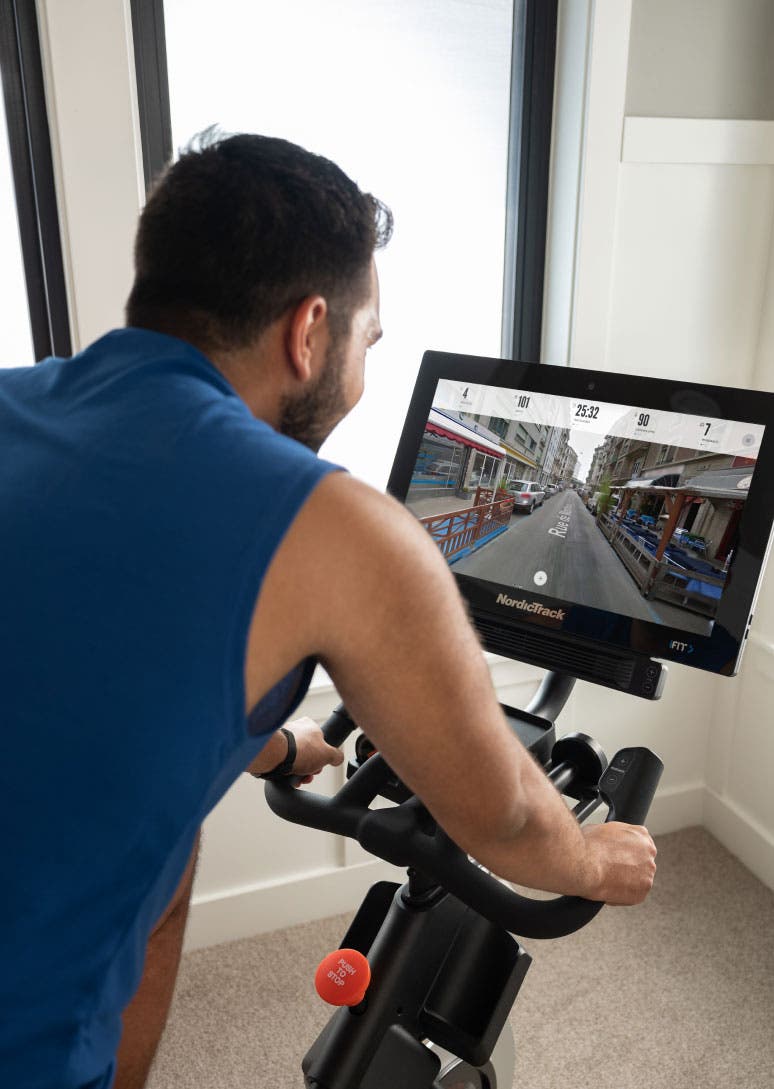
357 530
351 556
355 506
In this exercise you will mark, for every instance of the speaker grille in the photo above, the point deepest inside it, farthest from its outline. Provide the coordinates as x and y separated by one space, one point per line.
562 653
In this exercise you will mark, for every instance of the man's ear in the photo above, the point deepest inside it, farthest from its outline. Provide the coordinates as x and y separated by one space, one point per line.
307 337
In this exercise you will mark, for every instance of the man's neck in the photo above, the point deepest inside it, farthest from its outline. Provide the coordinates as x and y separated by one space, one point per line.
255 376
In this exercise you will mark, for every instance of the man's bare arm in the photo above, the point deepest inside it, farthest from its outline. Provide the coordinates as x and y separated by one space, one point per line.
358 582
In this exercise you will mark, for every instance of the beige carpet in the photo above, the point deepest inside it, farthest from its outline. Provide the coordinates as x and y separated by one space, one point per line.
675 994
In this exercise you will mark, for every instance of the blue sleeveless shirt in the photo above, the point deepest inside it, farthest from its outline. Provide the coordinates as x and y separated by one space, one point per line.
140 506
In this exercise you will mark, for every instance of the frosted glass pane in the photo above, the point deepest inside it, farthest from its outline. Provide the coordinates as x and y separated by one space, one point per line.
411 98
15 334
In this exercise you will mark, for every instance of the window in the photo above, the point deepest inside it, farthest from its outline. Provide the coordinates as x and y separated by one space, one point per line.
439 467
332 91
499 426
484 471
35 317
15 332
425 105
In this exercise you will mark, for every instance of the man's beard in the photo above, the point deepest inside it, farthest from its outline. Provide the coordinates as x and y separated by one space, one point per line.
310 417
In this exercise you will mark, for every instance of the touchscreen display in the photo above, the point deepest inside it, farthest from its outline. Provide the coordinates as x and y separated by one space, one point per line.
562 501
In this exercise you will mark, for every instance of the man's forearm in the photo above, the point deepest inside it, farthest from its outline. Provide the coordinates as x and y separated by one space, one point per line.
546 849
273 753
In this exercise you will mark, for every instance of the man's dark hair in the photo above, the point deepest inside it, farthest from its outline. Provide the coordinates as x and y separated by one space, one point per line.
240 229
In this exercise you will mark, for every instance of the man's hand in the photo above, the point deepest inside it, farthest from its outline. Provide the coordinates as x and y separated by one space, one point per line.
622 862
313 754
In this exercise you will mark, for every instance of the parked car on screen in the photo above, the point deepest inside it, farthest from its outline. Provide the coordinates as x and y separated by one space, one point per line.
527 494
612 503
442 468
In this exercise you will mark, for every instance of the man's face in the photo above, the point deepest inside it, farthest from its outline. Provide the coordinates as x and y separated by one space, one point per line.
312 416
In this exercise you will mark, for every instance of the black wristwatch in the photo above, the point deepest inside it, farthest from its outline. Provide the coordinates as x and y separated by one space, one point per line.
286 767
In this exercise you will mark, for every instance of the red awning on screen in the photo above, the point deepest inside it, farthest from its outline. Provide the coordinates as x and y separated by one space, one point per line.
455 436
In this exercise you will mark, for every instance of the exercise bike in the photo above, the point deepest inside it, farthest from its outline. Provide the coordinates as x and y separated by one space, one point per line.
444 966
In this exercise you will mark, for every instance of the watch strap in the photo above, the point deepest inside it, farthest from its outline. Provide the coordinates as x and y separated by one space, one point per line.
284 768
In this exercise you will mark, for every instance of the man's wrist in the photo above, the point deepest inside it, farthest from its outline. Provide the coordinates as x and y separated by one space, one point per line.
285 767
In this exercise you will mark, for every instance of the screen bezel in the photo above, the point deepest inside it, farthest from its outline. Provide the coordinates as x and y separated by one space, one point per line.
718 652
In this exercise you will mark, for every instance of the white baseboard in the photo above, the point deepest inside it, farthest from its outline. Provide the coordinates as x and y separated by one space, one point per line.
741 834
676 807
302 898
245 912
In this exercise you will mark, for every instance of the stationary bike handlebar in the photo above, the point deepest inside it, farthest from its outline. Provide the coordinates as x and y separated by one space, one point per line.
407 835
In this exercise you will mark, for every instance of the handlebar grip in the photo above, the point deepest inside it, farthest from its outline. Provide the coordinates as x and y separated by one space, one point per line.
627 786
339 814
629 783
338 726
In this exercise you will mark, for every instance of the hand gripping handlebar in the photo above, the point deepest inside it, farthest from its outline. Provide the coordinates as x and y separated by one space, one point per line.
407 835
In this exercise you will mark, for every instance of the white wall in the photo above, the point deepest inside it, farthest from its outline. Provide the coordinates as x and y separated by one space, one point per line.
701 58
739 807
675 278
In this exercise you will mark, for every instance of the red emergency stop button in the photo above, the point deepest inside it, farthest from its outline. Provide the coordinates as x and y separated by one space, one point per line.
342 977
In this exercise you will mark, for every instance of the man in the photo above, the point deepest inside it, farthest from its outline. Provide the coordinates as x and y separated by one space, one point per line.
175 559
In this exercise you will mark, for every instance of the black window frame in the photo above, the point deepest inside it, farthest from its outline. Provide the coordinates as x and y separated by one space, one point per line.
533 62
529 161
150 60
33 177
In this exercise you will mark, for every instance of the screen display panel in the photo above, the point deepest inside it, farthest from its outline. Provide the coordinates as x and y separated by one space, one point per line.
631 510
610 509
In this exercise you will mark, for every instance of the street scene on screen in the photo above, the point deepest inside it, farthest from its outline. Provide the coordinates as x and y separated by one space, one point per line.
624 509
